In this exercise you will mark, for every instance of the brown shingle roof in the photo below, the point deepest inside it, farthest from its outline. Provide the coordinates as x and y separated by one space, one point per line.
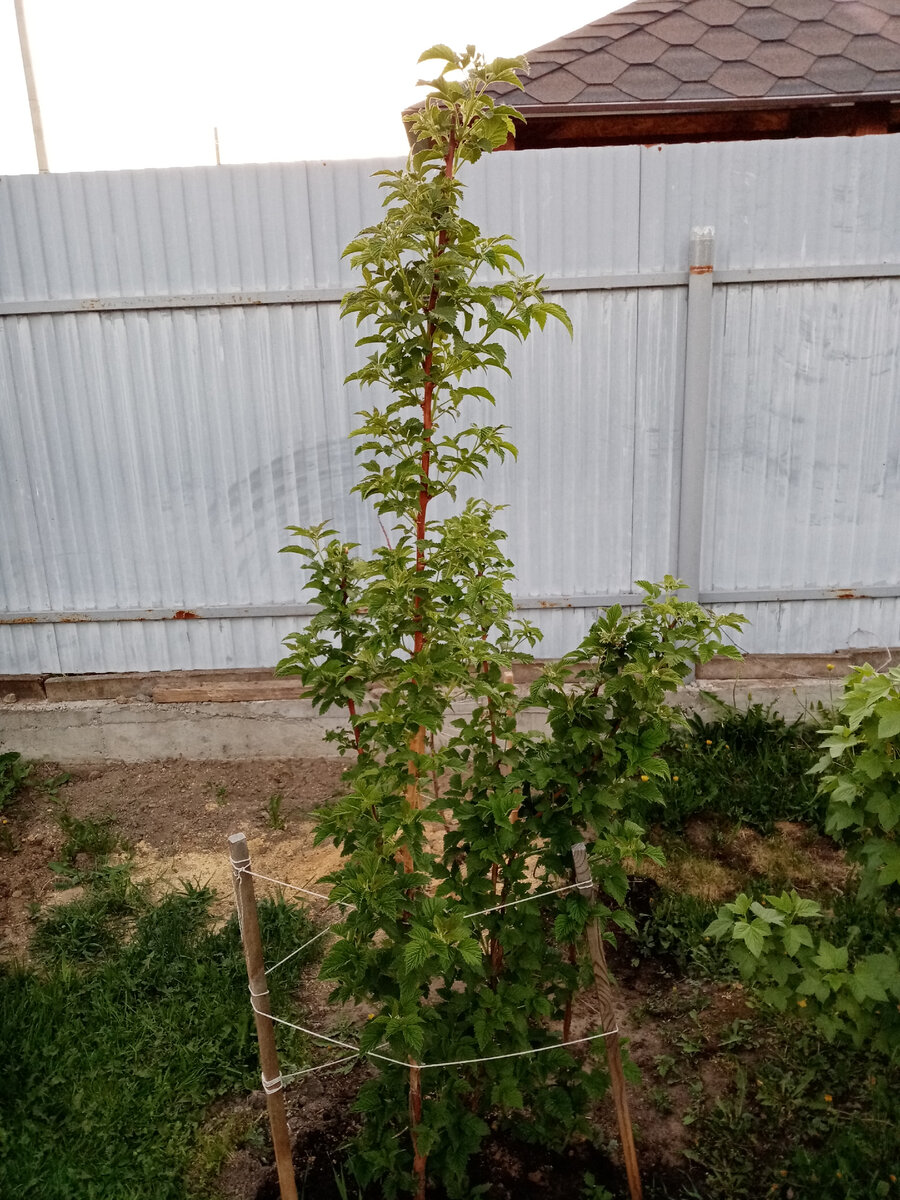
719 50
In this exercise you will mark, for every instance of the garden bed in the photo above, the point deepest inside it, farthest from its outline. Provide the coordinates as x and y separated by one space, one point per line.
721 1083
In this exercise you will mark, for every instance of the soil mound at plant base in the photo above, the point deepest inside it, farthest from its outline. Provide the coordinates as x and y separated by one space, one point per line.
322 1124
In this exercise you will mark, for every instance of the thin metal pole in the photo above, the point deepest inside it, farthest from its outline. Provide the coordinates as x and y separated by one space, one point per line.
608 1021
696 406
245 898
36 123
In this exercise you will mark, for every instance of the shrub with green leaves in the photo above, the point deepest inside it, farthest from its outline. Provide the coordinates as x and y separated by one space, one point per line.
448 807
848 991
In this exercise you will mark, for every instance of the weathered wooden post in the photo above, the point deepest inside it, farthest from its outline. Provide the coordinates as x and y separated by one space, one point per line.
608 1021
245 898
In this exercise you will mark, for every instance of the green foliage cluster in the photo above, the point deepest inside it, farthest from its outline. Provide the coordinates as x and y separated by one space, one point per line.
119 1036
849 992
749 765
14 774
450 808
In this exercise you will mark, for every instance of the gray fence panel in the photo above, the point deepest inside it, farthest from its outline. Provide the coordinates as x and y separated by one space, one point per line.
152 455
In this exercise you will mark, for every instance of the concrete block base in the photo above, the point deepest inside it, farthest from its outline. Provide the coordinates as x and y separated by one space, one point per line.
137 731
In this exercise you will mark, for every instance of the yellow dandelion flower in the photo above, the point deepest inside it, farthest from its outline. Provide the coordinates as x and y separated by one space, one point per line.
839 1174
827 1098
708 742
674 778
801 1004
830 667
644 778
371 1017
892 1178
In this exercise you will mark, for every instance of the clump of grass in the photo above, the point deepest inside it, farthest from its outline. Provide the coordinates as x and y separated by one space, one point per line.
748 766
90 928
274 814
91 837
120 1035
220 791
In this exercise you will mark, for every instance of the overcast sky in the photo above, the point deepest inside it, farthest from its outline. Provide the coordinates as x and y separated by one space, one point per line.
142 83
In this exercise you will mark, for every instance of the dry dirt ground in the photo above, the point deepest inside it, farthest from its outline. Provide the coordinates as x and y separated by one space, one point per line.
176 817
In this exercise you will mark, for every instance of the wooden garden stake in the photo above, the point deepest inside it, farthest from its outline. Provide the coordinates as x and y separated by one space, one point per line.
608 1021
245 897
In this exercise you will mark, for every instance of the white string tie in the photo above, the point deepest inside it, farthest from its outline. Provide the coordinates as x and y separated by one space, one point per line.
287 957
321 1067
256 995
482 912
458 1062
271 1086
294 888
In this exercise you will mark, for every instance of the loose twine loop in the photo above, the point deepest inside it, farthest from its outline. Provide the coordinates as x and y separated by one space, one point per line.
270 1086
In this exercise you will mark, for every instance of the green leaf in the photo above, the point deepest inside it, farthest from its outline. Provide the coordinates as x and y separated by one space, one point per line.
889 719
796 936
831 958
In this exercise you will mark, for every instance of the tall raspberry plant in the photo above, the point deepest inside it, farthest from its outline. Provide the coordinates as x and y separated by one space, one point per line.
447 807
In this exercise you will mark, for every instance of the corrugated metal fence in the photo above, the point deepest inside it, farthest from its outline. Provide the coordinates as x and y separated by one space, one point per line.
171 396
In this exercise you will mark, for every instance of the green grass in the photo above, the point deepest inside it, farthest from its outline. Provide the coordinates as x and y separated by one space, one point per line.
748 766
131 1022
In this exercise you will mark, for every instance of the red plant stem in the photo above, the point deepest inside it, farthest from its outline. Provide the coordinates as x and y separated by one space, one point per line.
351 709
415 1119
417 742
351 705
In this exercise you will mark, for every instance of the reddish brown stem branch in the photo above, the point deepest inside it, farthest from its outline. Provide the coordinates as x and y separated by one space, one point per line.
417 743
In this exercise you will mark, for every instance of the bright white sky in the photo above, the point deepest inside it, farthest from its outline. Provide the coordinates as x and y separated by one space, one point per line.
142 83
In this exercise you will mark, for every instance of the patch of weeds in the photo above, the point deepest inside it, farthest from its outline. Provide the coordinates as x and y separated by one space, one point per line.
220 791
111 1064
342 1187
673 930
748 766
88 836
53 785
738 1035
661 1099
274 814
806 1121
14 776
217 1140
594 1190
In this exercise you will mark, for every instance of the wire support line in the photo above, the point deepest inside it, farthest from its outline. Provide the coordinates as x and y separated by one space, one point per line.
334 1062
293 953
482 912
458 1062
239 870
466 916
